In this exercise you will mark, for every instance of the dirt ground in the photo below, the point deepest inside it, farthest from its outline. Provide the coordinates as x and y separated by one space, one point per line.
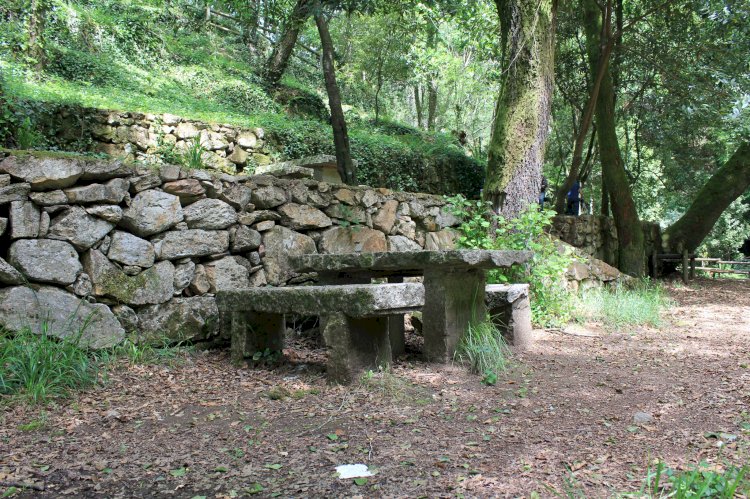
561 421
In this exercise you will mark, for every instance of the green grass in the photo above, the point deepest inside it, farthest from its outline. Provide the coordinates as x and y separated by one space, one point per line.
640 305
39 367
484 349
699 482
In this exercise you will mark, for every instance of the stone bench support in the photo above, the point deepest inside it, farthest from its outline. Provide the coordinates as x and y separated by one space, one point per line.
356 326
510 310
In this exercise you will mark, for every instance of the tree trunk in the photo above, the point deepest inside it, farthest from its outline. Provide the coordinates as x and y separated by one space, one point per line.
282 51
522 115
344 162
631 255
35 48
432 99
418 106
726 185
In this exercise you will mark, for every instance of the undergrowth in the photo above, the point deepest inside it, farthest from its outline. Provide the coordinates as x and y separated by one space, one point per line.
484 349
699 482
552 304
39 367
638 305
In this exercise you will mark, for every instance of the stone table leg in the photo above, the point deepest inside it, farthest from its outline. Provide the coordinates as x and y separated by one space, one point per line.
355 345
255 332
396 328
453 300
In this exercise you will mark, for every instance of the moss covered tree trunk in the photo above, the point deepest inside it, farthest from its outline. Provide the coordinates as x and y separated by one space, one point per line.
726 185
35 45
282 51
344 163
522 115
631 255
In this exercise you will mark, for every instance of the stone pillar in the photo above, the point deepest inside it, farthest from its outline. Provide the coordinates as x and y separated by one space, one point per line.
510 309
255 332
396 328
355 345
453 300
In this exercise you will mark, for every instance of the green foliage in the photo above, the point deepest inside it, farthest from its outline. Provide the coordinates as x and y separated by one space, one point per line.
699 482
147 353
551 302
484 349
624 305
27 137
192 158
38 367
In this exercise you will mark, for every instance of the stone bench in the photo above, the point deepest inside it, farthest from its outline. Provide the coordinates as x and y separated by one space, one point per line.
356 325
509 307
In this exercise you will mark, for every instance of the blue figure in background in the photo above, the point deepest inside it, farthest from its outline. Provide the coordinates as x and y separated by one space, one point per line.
573 206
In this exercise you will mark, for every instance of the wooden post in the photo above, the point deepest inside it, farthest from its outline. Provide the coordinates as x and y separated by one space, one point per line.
692 267
685 263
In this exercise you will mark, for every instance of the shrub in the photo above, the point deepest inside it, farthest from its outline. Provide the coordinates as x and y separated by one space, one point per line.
551 302
38 367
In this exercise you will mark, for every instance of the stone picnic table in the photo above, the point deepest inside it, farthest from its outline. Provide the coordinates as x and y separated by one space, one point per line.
454 283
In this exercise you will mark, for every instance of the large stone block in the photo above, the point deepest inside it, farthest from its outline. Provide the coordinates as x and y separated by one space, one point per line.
269 196
245 239
9 275
237 195
191 243
127 249
79 228
14 192
43 173
386 216
105 170
281 243
112 192
230 272
401 243
303 217
181 319
60 314
352 240
151 286
509 307
211 214
44 260
110 213
188 190
25 219
49 198
152 212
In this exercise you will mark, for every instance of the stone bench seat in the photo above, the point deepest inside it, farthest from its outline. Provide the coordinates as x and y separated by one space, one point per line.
356 320
510 310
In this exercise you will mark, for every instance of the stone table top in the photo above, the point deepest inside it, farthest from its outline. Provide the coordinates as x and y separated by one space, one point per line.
415 261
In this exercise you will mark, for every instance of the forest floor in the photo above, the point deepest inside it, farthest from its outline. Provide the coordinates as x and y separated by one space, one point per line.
561 421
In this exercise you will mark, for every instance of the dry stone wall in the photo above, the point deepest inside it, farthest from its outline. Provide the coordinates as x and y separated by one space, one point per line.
147 137
596 235
133 250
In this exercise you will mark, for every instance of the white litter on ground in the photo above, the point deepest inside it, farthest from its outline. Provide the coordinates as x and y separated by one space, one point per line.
352 471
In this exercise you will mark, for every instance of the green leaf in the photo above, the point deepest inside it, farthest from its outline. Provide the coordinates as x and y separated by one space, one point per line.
273 466
332 436
221 469
255 488
360 481
178 472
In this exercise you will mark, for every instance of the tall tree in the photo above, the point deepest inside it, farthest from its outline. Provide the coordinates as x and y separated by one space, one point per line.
282 51
727 184
344 163
631 255
522 114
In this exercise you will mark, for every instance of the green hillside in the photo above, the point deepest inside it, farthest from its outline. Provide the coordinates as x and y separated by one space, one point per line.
147 56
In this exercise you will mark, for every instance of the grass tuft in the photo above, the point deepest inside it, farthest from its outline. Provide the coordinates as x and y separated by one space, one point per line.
484 349
38 367
623 306
699 482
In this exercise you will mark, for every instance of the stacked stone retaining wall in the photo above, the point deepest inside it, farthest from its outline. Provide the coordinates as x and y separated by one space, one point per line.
138 250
